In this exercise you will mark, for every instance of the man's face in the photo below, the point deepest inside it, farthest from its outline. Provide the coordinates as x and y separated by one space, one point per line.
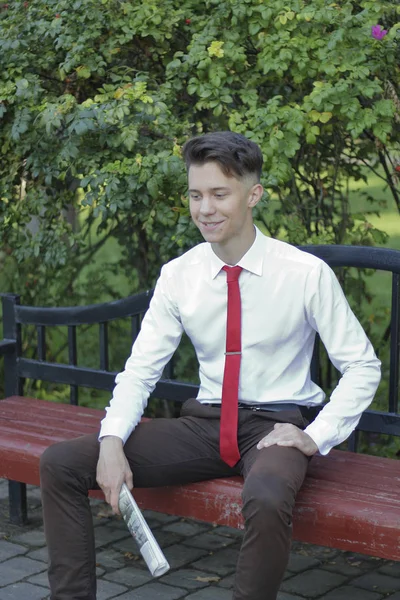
220 205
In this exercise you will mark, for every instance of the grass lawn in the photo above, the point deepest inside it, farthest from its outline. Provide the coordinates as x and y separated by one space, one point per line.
388 221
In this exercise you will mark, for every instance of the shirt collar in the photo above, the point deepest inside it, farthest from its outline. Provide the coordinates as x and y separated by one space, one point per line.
252 261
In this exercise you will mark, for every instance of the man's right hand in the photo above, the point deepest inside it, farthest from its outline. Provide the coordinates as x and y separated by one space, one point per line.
113 470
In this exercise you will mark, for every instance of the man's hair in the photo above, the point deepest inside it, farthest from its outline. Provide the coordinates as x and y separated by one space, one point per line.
236 155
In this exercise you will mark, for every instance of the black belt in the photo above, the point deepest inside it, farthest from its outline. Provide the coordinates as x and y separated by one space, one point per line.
308 412
271 406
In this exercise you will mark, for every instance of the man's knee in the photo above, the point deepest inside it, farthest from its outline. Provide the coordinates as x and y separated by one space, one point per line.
59 462
52 461
267 499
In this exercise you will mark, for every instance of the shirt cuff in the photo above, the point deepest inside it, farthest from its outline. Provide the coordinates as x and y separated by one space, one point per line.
117 427
322 435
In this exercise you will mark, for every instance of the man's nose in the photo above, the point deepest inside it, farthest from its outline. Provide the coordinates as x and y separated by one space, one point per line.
207 206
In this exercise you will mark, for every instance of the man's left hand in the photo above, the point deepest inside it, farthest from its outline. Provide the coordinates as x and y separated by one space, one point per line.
286 434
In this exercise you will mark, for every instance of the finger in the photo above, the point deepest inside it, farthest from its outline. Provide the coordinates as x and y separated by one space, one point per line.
263 441
114 500
115 510
278 438
105 492
267 442
129 480
285 427
288 443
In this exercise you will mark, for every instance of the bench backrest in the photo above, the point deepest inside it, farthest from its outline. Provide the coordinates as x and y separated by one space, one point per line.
18 367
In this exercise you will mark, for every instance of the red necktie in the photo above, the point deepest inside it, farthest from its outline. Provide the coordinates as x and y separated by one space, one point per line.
230 387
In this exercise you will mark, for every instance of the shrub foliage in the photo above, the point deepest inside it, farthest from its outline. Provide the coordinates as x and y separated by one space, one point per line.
96 99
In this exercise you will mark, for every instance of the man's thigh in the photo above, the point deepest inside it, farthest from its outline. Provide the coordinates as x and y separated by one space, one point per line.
159 451
275 462
171 451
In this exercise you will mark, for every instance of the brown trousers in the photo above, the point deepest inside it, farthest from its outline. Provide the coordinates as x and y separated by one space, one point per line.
170 451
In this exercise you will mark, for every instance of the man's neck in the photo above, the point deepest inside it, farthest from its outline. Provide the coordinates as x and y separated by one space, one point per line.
232 252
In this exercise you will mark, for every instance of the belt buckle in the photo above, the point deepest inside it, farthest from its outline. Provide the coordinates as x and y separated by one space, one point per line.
249 406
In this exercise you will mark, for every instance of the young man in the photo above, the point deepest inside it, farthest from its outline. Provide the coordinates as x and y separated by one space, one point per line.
251 306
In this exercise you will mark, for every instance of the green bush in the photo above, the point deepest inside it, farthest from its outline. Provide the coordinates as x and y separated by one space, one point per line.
96 99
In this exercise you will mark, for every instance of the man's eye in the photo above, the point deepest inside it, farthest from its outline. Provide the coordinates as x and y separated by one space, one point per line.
194 196
220 195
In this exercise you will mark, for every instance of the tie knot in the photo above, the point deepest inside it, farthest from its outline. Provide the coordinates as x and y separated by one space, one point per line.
232 273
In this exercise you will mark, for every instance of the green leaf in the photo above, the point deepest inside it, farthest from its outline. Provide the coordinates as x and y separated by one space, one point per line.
85 181
274 143
325 117
254 28
311 138
315 115
83 72
152 186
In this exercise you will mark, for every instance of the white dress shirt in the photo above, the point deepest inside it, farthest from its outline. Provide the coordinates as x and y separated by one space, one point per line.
287 295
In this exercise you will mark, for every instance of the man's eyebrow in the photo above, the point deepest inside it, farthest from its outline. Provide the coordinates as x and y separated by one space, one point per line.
214 189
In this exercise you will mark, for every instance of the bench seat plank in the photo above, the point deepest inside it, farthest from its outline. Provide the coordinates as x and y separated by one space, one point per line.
348 501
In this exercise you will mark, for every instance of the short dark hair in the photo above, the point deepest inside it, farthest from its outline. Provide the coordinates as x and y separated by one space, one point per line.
236 154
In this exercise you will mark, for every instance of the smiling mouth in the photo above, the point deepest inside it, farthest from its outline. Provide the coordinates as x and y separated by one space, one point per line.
211 225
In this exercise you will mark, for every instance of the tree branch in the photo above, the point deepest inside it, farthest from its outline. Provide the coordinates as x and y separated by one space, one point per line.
389 179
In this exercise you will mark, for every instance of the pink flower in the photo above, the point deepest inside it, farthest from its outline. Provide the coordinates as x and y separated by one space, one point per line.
377 32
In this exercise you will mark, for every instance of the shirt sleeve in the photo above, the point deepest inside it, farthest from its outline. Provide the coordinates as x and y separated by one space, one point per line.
158 339
351 353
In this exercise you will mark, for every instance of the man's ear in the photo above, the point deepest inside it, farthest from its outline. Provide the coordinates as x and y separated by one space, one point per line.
255 195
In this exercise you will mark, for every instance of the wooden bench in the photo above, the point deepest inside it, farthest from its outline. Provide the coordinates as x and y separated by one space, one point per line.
349 501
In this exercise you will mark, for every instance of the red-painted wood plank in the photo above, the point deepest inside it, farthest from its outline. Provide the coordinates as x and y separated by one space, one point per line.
348 501
25 408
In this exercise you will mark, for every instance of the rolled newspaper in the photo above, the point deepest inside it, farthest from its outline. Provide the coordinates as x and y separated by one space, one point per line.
141 533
